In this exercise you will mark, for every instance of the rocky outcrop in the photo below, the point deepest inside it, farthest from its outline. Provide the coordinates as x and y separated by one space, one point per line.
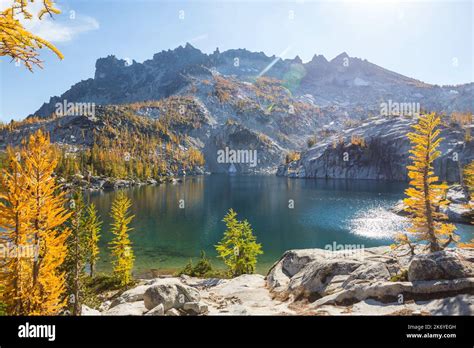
320 273
323 278
178 296
161 296
170 293
372 281
255 152
450 264
383 154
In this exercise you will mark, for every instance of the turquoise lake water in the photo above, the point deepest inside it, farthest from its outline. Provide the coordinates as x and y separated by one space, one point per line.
165 236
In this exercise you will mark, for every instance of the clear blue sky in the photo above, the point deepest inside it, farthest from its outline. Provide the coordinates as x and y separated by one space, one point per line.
428 40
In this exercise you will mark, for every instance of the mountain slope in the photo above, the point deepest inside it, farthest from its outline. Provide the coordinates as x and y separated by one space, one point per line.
347 83
245 101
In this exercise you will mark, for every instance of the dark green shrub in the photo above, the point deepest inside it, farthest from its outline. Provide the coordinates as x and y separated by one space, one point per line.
202 269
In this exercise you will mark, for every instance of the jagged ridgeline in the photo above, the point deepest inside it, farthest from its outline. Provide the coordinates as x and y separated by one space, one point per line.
175 112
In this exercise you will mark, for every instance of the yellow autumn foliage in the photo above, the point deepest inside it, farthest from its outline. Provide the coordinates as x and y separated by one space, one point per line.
469 182
31 215
426 196
121 246
17 42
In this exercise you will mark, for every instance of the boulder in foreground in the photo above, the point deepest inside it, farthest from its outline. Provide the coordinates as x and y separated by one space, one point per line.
323 277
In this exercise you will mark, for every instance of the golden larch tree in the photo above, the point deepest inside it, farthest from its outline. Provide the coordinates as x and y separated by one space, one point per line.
121 246
32 212
469 178
48 215
15 212
17 42
469 183
426 197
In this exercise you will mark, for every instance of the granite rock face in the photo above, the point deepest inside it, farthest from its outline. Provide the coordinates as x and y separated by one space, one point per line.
383 156
442 265
384 274
320 272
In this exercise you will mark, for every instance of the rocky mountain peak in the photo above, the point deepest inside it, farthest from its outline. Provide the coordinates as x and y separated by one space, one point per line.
243 53
181 55
170 71
318 59
297 60
109 66
341 59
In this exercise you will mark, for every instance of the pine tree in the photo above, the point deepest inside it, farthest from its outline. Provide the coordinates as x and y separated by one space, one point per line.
74 264
238 248
92 229
121 245
15 213
425 196
48 215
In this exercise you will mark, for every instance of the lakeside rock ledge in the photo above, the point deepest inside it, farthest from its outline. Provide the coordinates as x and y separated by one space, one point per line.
372 281
375 281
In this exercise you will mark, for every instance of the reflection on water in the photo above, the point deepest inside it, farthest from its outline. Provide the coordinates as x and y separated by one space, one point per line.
325 211
378 223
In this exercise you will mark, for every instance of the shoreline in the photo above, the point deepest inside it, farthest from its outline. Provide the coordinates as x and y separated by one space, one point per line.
307 282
